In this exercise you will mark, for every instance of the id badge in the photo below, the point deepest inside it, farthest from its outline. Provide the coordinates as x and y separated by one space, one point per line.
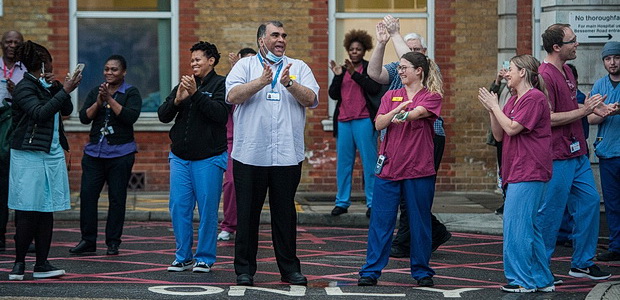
273 96
574 147
380 163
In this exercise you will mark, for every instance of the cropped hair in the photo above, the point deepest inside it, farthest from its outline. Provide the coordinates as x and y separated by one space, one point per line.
262 29
431 78
415 36
530 64
360 36
32 55
210 50
246 51
554 35
121 60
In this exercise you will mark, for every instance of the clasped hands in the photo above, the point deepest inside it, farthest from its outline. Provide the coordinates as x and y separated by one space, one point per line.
187 88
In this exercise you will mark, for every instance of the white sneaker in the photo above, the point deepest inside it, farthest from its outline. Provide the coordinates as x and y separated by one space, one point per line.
224 236
201 267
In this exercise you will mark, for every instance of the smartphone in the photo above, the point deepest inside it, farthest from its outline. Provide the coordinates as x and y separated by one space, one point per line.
78 69
506 65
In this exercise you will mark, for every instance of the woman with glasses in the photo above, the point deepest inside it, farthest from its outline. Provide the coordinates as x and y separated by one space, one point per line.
353 118
405 168
524 128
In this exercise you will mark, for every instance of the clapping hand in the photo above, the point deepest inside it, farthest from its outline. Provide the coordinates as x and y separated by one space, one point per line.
488 99
336 68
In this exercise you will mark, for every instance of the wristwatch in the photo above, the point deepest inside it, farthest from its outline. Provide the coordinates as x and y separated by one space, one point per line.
289 84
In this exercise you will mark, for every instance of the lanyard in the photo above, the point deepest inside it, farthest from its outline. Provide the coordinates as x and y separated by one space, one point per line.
11 71
275 78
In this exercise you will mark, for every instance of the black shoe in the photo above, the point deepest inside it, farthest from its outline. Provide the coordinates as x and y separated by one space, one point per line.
112 250
18 271
46 270
82 247
368 212
366 281
339 211
593 272
32 248
426 281
608 256
442 240
500 210
397 252
557 280
245 279
295 278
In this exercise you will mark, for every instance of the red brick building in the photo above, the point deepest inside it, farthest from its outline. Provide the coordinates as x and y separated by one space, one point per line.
155 36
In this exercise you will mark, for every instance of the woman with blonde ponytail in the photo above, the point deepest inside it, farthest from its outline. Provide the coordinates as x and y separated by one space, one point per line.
524 126
405 168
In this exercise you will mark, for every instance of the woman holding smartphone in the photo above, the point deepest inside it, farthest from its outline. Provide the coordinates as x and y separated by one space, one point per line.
38 180
524 127
405 168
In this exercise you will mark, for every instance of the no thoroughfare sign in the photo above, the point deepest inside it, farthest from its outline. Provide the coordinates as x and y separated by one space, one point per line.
595 26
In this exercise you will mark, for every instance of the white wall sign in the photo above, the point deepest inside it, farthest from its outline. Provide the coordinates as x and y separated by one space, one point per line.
595 26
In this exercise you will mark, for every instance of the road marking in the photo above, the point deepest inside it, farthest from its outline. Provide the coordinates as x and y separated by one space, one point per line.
295 290
448 293
206 290
336 291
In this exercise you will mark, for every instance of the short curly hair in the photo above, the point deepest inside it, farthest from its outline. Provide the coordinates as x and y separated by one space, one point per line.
210 50
360 36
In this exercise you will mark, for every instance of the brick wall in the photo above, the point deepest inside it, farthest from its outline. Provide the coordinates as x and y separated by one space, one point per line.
524 27
466 51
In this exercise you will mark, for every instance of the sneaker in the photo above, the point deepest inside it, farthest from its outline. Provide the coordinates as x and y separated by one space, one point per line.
547 289
608 256
201 267
512 288
426 281
440 241
179 266
593 272
18 271
557 280
46 271
224 236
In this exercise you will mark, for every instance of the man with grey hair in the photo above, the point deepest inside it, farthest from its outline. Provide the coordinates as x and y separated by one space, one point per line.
388 74
271 92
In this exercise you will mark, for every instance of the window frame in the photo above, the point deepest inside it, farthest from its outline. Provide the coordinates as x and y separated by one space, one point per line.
333 45
172 15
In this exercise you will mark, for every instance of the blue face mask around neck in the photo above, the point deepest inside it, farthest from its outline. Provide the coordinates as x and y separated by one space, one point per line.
270 56
44 83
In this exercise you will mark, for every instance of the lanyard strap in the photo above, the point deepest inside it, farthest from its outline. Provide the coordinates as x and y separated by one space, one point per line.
275 78
11 71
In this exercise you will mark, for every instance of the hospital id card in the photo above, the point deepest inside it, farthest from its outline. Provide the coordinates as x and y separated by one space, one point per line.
574 147
273 96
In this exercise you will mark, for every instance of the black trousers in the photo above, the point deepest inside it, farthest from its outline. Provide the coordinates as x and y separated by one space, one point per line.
4 197
95 173
403 239
251 186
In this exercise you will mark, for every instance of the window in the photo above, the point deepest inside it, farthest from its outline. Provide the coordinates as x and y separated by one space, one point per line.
143 31
415 16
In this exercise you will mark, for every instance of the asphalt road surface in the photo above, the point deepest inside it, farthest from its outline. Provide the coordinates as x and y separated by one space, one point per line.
469 266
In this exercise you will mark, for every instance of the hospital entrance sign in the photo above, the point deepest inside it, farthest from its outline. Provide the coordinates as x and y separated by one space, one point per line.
595 26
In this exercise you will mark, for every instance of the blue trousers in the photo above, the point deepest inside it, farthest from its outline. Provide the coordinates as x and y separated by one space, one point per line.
610 182
361 135
572 186
418 194
525 261
195 182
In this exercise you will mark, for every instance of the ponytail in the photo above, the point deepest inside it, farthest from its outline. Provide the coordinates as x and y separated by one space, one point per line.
433 82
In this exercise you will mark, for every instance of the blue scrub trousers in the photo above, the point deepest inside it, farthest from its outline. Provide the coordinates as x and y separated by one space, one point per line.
571 185
418 194
525 261
196 182
355 134
610 182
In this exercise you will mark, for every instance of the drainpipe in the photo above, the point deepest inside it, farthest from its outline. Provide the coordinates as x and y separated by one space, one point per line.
536 36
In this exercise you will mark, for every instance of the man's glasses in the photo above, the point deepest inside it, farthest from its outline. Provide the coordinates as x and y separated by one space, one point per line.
569 42
416 49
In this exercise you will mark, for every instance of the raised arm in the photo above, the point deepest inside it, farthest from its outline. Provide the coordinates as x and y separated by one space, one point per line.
376 71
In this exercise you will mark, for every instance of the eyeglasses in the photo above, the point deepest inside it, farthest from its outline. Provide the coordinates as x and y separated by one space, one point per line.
403 68
574 40
416 49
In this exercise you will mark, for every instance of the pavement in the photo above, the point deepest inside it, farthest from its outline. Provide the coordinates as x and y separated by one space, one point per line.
466 214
